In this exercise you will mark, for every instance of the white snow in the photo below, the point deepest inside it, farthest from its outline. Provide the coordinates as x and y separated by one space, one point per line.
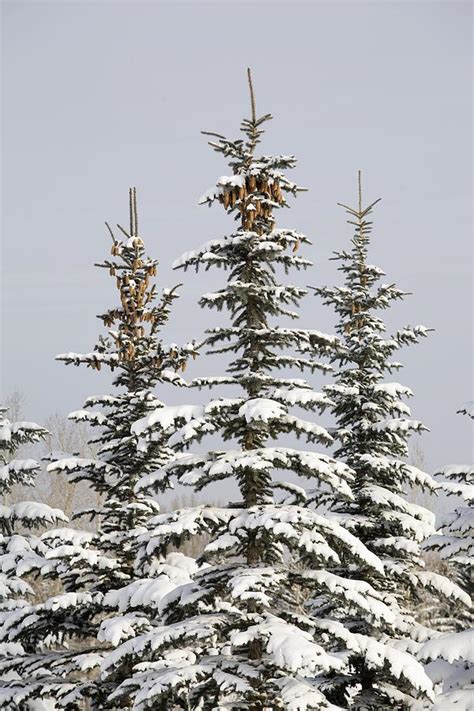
451 647
289 647
36 512
261 410
117 629
167 416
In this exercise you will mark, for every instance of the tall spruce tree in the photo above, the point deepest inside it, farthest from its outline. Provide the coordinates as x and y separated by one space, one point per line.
78 626
253 629
373 426
450 657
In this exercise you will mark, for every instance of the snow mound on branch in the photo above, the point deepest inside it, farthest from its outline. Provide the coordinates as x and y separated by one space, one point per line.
465 491
385 497
149 592
199 628
167 416
64 536
453 471
17 466
300 396
450 647
400 663
254 584
360 593
394 390
118 629
305 527
300 695
10 428
141 593
34 512
397 424
42 705
85 416
378 655
261 410
440 584
177 677
289 647
74 464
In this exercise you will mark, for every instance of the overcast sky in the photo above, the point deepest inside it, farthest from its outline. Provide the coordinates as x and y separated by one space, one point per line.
98 96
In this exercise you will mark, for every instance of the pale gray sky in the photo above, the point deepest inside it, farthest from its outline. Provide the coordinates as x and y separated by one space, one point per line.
98 96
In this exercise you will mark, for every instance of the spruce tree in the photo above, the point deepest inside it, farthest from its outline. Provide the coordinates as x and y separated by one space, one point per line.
252 629
454 541
373 426
450 657
79 625
22 552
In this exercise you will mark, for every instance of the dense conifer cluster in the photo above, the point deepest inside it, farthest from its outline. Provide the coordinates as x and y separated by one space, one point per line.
305 590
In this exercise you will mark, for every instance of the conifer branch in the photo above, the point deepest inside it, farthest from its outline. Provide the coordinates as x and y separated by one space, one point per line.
110 232
124 231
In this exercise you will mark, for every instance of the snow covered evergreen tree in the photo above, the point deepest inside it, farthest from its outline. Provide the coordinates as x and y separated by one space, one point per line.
78 626
373 427
454 542
451 656
253 629
22 553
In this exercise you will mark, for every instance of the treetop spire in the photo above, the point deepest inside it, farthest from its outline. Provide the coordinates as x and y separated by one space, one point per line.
258 184
132 193
252 95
